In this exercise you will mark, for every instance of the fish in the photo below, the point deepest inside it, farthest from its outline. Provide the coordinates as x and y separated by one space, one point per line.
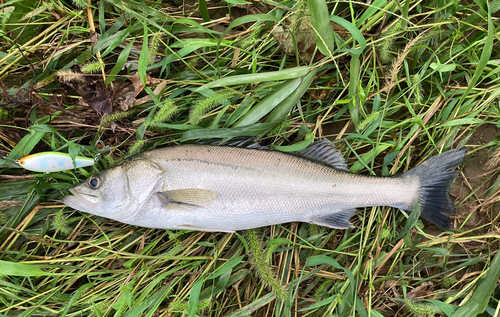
243 185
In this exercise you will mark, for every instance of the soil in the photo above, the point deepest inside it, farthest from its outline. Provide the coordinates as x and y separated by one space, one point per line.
477 175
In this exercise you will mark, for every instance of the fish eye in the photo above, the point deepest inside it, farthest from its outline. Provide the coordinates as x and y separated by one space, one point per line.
95 181
22 162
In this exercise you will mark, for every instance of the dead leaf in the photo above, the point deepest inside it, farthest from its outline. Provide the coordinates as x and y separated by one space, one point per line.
303 32
93 92
148 98
136 81
421 291
124 94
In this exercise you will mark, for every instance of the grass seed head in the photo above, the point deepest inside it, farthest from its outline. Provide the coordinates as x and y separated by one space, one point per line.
253 38
448 281
70 76
92 67
178 306
153 48
134 149
60 223
37 11
280 129
323 287
166 112
494 160
81 4
3 218
418 310
418 88
386 232
369 120
264 270
107 119
385 47
204 105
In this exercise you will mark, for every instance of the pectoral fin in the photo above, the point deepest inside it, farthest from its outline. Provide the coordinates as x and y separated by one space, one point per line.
191 198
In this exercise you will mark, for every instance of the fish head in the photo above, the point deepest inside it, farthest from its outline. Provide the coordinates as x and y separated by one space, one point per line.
118 192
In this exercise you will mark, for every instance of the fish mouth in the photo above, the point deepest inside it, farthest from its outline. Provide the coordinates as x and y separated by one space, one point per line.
80 201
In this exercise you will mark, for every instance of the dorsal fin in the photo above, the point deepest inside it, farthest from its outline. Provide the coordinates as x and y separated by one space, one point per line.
324 151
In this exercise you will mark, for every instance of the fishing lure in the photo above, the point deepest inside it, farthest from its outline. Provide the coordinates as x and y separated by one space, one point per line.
53 162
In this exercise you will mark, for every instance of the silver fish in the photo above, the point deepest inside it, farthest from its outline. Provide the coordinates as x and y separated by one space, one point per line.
224 189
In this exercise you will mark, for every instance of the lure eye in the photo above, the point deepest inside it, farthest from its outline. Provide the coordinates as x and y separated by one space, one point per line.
22 162
95 181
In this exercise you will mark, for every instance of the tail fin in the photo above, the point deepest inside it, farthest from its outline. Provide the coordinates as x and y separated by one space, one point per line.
436 176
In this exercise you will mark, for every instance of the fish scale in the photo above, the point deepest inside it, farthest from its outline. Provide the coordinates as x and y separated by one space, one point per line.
222 188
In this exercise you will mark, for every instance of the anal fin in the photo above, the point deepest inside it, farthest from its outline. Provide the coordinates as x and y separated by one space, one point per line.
336 220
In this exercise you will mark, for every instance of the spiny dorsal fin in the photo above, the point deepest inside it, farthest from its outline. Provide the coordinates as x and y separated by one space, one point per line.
324 151
190 197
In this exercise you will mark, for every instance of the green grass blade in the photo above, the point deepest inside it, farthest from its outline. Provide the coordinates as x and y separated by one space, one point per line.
355 32
309 138
144 58
285 74
481 296
374 7
249 19
253 306
118 39
412 220
102 19
226 267
282 110
120 62
75 297
249 130
485 55
197 27
20 269
202 6
369 157
150 301
24 147
177 126
354 104
267 104
194 297
323 31
110 36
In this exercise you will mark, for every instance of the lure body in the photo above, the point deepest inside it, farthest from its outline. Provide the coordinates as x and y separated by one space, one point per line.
53 162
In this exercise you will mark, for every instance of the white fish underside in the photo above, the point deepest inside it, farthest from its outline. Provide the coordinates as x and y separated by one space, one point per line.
263 188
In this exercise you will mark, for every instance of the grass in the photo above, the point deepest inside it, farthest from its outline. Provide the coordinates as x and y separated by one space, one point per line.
392 82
